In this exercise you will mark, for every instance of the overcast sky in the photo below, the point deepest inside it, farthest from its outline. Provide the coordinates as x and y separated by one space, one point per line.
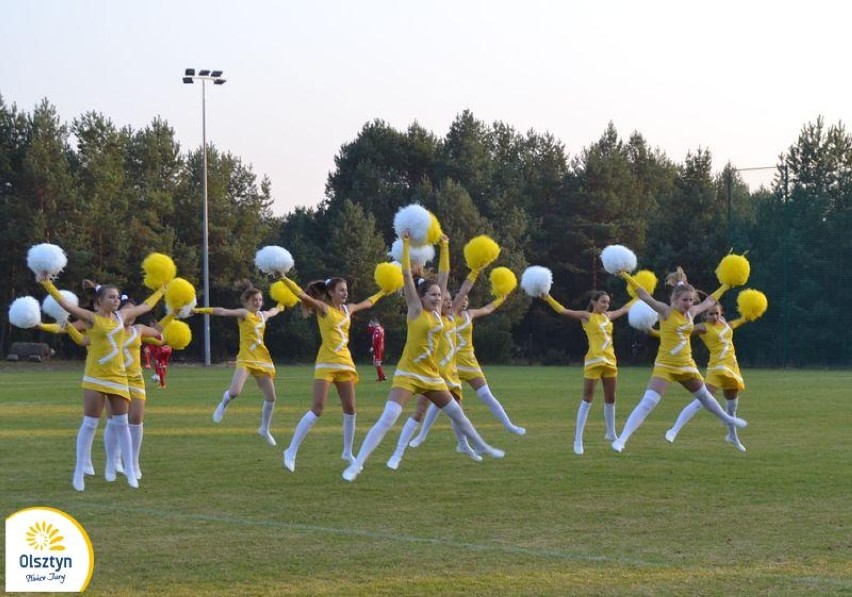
738 78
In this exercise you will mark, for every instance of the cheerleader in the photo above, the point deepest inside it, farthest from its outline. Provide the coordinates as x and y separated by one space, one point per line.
105 377
417 370
600 362
445 355
253 358
674 360
132 347
722 371
334 362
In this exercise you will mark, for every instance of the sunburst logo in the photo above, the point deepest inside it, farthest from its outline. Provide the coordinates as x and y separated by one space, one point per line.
44 536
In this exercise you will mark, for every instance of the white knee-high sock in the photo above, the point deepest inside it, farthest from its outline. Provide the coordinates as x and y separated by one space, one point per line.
136 432
709 402
122 433
609 418
113 450
455 412
266 415
582 417
377 432
494 406
649 401
689 411
731 408
305 424
404 437
432 413
85 437
348 434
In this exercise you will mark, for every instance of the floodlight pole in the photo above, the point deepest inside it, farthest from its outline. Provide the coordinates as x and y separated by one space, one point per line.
189 78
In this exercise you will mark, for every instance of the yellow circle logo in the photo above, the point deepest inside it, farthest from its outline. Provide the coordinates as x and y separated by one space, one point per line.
47 550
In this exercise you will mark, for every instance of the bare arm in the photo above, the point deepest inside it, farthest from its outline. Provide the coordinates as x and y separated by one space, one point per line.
409 288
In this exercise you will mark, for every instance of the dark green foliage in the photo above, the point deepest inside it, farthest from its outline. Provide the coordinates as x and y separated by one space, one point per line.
110 195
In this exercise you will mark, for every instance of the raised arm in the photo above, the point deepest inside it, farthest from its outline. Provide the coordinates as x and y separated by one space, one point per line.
409 288
557 306
366 303
146 305
221 312
444 264
623 310
660 307
737 322
487 309
76 311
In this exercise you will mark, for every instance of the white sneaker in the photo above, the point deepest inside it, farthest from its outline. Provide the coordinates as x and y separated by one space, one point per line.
518 430
264 433
109 471
119 466
348 457
78 481
671 434
89 469
610 436
738 422
578 448
138 472
734 441
132 481
352 472
289 461
414 443
470 452
393 462
618 446
492 452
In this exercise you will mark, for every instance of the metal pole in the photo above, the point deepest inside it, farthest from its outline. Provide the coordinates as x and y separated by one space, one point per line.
204 238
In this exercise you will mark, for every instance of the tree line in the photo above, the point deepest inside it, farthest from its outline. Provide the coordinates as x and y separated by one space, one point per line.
109 195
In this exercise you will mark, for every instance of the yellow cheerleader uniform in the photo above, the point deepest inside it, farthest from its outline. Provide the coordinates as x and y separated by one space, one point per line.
132 363
600 359
334 361
723 371
417 370
466 363
254 356
674 357
105 370
446 356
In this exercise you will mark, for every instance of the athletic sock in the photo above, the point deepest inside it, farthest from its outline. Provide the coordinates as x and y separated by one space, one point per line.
404 437
649 401
689 411
495 407
348 435
582 417
432 413
85 437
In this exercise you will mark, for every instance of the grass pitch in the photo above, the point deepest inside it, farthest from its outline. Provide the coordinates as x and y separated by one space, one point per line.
217 514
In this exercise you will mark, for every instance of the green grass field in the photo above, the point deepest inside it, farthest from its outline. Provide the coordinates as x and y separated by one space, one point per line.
217 514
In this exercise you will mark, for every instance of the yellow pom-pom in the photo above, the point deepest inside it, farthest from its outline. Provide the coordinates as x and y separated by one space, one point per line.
281 294
159 270
733 270
752 304
388 277
179 293
646 279
503 281
435 233
481 251
177 335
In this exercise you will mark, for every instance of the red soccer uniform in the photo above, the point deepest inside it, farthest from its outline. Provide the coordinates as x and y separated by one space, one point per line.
378 342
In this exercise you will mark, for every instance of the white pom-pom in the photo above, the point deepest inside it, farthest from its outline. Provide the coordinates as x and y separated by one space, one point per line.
416 220
52 309
24 313
420 256
46 259
618 258
273 260
641 316
537 280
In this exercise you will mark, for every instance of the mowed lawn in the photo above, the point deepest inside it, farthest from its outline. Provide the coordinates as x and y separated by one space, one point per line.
216 513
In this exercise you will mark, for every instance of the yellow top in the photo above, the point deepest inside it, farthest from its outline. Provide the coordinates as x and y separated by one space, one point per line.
418 358
719 339
132 348
253 352
105 370
446 352
598 330
465 356
334 331
675 347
